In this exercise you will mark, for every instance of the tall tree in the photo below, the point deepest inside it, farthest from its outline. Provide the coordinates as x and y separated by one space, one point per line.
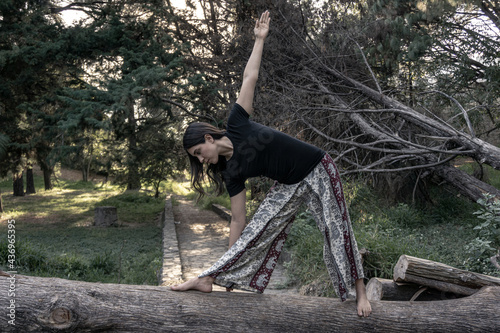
135 75
27 52
449 46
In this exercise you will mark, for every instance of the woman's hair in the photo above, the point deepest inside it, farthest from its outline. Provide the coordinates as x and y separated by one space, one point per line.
194 135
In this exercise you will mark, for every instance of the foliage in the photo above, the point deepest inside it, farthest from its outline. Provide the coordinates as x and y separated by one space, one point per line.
117 75
487 242
450 46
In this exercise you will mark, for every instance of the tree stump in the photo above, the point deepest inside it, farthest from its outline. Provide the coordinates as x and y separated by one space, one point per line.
105 216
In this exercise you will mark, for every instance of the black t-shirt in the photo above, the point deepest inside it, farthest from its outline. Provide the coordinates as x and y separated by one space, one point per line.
261 151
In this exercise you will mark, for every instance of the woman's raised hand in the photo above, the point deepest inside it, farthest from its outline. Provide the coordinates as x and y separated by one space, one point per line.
262 25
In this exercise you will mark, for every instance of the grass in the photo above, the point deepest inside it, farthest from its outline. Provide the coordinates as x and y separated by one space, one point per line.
55 235
439 232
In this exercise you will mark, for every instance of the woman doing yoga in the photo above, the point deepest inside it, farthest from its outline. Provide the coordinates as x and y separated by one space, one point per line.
304 174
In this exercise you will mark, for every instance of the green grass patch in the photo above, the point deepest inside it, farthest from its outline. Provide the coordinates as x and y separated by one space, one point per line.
55 235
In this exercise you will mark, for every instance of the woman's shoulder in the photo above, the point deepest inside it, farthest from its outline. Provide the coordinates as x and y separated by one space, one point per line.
238 114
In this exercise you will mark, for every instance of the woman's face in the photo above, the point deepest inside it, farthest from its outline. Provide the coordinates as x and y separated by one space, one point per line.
205 152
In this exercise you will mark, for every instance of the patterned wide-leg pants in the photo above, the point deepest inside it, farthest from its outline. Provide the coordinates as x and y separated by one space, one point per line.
249 263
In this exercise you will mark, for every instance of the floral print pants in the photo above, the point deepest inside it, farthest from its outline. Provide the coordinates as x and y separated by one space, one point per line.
249 263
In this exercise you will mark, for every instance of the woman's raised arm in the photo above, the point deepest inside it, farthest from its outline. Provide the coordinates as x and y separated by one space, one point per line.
251 73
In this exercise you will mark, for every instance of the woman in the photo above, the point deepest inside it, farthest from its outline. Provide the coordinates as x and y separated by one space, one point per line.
304 174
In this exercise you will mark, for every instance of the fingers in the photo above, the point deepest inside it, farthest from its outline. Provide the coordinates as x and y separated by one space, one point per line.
264 18
262 25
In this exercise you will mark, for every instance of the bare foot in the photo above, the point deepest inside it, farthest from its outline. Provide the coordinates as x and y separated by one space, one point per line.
364 307
203 284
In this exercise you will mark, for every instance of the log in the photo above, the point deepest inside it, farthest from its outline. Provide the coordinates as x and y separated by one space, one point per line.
52 304
440 276
384 289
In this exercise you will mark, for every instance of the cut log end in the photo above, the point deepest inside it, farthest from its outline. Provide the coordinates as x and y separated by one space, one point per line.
374 290
400 269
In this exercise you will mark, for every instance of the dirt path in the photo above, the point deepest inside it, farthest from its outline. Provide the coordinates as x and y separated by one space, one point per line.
203 239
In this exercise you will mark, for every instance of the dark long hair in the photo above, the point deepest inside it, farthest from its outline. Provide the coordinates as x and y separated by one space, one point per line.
194 135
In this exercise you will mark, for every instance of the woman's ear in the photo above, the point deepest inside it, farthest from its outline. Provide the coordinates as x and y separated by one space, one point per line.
209 138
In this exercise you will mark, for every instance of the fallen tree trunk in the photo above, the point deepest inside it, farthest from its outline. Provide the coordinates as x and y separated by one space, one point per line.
440 276
467 185
482 150
50 304
379 289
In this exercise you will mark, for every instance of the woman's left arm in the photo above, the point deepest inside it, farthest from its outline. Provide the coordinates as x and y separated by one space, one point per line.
238 217
251 73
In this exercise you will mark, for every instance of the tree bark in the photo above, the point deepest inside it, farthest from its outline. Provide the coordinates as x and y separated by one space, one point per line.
464 183
440 276
30 181
18 184
1 203
49 305
47 175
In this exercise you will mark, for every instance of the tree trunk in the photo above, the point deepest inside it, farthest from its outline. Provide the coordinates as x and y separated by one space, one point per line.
105 216
18 184
133 177
484 152
1 203
47 175
466 184
49 305
440 276
84 174
30 182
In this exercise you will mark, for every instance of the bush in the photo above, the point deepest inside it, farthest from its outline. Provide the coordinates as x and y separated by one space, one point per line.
487 242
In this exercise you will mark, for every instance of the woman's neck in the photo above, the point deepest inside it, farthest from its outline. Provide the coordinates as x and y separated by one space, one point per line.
225 147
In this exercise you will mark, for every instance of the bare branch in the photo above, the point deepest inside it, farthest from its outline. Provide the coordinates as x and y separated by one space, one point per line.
169 101
464 112
368 66
415 167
